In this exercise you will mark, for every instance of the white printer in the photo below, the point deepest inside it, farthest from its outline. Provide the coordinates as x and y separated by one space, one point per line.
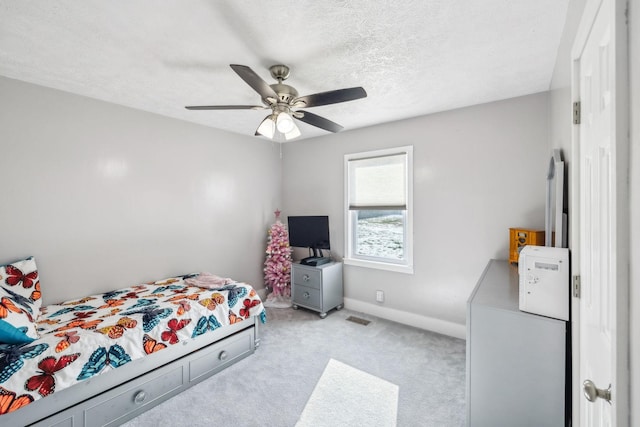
544 281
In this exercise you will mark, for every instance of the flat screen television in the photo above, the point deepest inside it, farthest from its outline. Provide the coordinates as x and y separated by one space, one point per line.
310 232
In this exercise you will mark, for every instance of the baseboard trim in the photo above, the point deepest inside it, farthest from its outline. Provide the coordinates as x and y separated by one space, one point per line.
423 322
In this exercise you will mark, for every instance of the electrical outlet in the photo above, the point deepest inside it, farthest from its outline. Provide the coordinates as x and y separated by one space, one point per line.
380 296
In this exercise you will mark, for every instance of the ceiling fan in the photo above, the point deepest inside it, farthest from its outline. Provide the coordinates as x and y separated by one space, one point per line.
285 104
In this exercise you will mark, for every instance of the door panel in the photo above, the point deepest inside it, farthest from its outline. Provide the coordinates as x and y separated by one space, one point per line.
598 217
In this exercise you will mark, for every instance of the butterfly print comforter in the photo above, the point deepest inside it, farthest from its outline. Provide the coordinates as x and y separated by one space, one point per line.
93 335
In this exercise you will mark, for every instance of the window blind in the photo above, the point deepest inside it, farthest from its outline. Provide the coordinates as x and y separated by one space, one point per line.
378 183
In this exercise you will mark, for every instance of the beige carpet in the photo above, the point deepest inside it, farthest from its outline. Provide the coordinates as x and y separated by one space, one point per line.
345 396
272 387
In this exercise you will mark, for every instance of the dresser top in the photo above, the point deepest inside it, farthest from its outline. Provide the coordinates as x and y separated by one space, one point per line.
498 286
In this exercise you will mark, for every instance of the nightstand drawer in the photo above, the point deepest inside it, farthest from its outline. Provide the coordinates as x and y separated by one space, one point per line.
307 277
307 297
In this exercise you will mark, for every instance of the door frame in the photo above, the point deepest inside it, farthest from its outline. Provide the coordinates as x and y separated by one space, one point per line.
622 148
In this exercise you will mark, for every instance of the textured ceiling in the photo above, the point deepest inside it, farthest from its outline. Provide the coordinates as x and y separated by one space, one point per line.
413 57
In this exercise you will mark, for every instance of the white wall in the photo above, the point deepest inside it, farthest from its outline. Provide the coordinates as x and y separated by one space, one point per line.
560 129
634 73
560 103
106 196
477 171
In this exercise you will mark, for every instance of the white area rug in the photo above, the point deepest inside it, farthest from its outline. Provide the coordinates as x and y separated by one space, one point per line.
345 396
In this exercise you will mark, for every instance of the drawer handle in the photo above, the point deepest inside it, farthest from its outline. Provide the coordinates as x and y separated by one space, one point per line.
306 277
223 355
140 397
306 295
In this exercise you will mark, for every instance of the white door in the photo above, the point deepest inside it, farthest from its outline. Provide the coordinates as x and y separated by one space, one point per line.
602 200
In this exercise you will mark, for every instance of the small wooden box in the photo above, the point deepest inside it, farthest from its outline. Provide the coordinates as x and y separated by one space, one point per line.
521 237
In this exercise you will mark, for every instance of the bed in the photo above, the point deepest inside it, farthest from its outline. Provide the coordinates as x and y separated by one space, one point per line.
106 358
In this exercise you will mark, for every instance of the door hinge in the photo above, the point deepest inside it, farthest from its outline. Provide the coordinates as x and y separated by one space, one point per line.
576 113
576 286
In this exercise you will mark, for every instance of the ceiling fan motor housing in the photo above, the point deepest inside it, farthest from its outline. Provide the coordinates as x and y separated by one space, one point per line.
285 93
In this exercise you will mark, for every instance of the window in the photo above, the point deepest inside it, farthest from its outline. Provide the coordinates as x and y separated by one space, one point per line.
378 205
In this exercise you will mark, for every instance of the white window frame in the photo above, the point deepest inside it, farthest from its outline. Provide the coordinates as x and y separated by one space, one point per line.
405 266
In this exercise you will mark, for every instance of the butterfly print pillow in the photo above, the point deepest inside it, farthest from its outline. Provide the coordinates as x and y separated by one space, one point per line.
20 300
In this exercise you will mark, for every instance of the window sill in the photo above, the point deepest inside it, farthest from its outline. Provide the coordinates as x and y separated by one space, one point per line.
407 269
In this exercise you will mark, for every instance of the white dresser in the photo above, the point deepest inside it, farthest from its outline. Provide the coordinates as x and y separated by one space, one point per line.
516 361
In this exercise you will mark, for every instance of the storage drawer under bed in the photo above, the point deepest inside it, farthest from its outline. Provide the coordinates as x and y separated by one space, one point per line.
132 398
217 356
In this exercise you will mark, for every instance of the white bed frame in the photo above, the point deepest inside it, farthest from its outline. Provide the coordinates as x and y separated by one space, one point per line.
114 397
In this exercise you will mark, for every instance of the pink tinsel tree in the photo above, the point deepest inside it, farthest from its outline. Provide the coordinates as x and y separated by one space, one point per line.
277 267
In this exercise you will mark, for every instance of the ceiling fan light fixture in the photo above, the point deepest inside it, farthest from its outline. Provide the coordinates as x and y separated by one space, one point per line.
293 133
283 100
285 123
268 127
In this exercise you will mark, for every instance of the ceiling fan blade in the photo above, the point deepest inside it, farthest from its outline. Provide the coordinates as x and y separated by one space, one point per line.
330 97
317 121
254 80
225 107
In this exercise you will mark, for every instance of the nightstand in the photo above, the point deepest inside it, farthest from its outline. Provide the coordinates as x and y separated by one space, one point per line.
317 288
